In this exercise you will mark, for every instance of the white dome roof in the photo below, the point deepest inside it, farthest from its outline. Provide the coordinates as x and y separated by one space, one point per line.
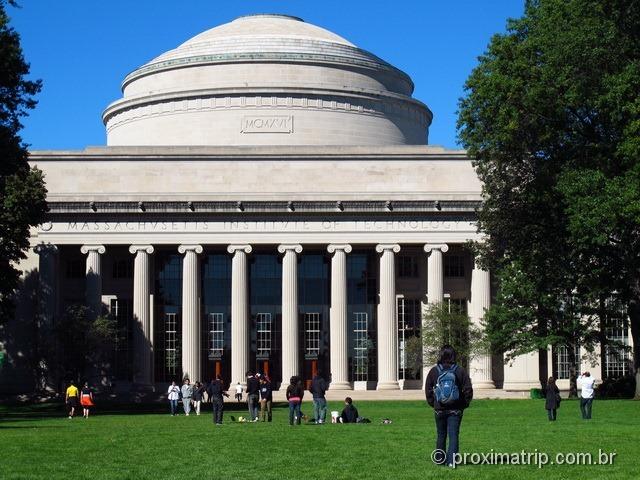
269 69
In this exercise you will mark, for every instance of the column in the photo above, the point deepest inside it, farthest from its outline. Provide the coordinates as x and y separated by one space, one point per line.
435 276
338 325
290 320
143 341
47 311
387 320
93 290
48 273
190 311
480 364
239 313
435 288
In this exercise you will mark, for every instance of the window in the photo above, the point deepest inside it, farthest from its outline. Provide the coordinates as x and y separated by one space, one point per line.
454 266
312 335
76 268
562 361
122 268
361 347
263 331
170 344
407 266
216 334
616 356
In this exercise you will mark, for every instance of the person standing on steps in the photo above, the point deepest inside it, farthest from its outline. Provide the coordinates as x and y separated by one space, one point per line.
448 390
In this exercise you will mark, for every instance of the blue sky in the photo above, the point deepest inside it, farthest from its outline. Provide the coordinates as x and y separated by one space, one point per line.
83 49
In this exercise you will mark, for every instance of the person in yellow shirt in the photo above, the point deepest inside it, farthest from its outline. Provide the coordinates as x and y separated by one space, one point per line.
71 398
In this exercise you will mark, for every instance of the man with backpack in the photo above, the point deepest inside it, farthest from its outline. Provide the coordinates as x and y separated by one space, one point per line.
449 391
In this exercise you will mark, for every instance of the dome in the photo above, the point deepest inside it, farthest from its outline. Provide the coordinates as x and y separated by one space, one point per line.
267 80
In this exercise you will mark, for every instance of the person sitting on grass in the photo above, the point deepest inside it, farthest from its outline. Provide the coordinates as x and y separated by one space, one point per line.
349 412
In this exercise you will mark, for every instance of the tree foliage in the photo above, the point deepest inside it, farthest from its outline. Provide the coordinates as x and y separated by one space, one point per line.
22 191
444 324
551 117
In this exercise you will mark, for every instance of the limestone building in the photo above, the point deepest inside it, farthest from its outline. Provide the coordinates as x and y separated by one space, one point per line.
266 201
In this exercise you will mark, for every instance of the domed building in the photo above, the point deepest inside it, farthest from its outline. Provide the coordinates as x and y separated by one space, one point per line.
266 202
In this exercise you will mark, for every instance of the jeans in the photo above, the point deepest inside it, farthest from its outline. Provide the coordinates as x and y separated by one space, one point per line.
186 404
218 409
552 414
447 424
265 410
294 413
585 408
319 409
252 403
174 406
196 406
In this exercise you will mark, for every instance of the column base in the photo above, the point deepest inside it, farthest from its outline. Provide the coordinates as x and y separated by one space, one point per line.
340 386
483 384
389 385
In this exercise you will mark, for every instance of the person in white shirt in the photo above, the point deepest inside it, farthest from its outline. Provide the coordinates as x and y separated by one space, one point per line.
586 382
187 393
239 392
173 394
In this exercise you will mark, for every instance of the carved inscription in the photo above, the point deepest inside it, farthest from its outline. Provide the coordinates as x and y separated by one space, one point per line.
267 124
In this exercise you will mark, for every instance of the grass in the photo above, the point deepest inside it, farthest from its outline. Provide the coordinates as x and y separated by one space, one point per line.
135 442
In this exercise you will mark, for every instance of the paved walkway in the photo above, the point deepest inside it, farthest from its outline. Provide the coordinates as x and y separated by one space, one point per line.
279 396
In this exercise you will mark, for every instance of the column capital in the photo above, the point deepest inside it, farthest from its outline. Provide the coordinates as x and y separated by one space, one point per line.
443 247
45 249
296 248
336 246
92 248
188 248
141 248
234 248
381 247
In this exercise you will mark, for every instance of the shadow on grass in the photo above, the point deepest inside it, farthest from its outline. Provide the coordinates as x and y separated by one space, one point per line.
22 411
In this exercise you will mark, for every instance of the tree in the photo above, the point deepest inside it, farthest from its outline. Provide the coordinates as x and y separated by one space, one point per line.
22 190
448 325
87 344
551 116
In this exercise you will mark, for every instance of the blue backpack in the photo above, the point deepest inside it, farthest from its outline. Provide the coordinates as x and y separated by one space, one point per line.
446 389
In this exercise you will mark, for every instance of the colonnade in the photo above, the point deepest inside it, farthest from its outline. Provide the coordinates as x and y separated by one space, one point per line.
387 330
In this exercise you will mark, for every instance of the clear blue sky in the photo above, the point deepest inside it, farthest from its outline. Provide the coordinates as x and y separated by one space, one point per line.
82 49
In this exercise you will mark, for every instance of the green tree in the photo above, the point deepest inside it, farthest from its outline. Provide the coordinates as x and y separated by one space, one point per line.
86 344
22 190
448 325
551 116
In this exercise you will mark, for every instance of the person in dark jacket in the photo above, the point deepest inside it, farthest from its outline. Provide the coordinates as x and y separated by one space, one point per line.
294 394
216 391
552 403
349 412
198 394
449 416
318 389
266 398
253 396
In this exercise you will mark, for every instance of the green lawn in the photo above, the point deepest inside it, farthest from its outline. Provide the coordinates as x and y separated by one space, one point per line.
38 442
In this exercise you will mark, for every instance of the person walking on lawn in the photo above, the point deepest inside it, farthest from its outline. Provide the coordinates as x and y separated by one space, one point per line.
448 390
